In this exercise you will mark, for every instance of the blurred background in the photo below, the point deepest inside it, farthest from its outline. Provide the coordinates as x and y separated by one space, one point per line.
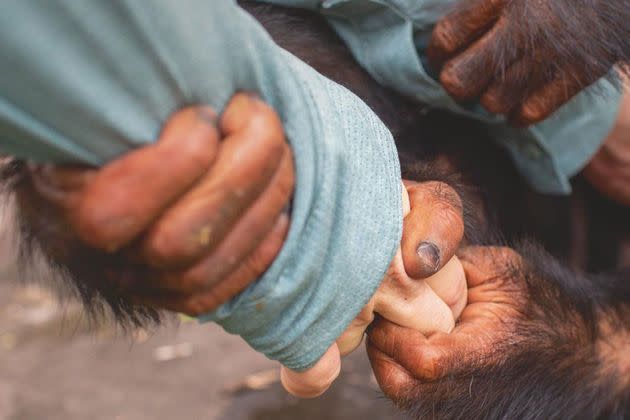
55 365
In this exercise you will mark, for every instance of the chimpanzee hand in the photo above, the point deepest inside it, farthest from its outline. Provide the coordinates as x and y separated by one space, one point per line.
424 288
526 58
186 223
402 358
531 332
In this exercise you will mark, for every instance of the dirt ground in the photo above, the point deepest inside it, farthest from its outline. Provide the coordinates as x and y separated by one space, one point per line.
54 366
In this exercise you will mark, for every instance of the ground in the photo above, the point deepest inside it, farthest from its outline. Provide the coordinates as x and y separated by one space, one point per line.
55 366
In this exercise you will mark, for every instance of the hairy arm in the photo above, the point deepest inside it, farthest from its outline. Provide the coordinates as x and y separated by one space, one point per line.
534 342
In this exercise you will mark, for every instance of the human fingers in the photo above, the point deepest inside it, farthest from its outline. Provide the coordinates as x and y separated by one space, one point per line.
314 381
449 284
410 302
351 338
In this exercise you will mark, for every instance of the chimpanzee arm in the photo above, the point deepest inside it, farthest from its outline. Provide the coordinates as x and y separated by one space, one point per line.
535 342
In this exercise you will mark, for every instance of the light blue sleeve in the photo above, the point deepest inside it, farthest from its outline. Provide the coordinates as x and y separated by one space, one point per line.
388 37
84 81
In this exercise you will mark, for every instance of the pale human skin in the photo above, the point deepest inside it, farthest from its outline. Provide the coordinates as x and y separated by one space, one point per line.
426 305
419 305
165 193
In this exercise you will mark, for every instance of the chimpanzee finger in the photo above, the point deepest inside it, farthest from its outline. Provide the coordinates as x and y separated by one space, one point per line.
394 380
206 301
412 303
131 191
433 229
543 102
509 91
469 73
248 158
493 311
462 27
425 359
247 234
489 265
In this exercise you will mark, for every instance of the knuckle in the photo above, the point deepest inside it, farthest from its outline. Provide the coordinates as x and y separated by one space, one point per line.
190 281
264 121
99 229
533 112
165 247
199 151
259 261
452 220
398 277
452 81
492 103
443 38
430 364
443 195
283 187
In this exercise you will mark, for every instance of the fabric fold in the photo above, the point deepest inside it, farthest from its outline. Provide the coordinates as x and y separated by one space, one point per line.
87 81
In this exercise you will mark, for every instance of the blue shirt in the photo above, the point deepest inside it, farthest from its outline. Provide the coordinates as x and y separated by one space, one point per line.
388 38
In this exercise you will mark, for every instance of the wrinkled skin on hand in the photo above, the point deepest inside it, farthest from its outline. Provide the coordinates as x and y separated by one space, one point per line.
183 224
525 335
525 58
424 288
400 357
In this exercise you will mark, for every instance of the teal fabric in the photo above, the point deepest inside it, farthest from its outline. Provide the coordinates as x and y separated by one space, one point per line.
388 38
84 81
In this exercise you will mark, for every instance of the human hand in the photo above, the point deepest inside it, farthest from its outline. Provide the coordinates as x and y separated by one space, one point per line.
424 288
523 58
183 224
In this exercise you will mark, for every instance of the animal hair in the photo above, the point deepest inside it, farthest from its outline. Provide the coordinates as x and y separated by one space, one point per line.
581 39
552 367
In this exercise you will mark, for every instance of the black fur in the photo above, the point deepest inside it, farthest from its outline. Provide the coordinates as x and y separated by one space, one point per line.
552 367
549 370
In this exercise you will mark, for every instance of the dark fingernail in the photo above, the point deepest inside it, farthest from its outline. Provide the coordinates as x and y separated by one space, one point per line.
429 255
